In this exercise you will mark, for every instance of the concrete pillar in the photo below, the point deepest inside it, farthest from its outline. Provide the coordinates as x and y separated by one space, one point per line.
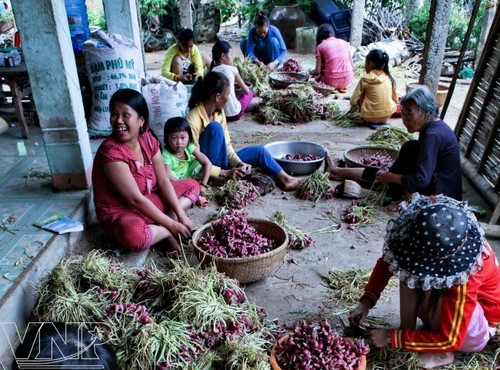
123 17
435 43
186 13
54 81
358 14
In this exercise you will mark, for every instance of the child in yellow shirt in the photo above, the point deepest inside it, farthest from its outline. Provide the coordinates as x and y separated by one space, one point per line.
375 95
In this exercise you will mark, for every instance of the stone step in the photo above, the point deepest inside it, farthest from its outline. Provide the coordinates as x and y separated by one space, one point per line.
17 304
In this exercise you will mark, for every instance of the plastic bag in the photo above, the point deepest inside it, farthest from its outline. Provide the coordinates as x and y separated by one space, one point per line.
113 62
166 99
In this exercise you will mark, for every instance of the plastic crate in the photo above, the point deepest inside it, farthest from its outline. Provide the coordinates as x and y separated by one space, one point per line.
341 22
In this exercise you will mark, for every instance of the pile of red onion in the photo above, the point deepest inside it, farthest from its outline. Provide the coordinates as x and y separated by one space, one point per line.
317 346
291 65
231 236
299 157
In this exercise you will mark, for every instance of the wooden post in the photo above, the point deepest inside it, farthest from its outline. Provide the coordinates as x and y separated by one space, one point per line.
306 40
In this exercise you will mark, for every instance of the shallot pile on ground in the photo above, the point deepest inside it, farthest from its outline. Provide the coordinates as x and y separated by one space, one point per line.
315 187
317 346
176 317
235 194
298 103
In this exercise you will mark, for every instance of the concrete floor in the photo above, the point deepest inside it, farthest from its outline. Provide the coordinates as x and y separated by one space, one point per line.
294 293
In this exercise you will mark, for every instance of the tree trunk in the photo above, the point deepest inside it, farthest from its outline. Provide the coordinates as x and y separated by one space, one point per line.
489 14
186 14
358 13
435 43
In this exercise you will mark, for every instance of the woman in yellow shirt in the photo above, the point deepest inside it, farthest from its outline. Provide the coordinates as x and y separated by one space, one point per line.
375 95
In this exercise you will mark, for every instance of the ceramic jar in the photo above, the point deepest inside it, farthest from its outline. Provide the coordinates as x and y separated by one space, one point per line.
287 18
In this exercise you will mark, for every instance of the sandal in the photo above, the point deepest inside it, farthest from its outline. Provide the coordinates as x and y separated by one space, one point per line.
263 183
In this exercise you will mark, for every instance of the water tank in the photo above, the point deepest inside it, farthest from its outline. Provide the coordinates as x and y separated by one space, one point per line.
78 22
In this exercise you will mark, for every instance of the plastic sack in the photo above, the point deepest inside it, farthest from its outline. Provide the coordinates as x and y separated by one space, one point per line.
113 62
166 99
14 54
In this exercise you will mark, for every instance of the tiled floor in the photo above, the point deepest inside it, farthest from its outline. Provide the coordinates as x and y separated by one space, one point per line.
26 195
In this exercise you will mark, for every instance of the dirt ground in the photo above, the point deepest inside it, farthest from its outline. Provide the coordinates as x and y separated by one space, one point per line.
297 291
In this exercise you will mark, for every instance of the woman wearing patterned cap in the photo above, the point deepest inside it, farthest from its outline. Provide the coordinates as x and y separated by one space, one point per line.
449 278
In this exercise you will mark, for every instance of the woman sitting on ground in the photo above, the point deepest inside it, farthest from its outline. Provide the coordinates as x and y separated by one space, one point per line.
134 199
375 95
211 135
334 65
265 45
449 277
222 61
183 61
429 165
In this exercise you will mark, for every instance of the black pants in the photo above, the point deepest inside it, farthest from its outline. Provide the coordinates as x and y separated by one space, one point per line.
405 163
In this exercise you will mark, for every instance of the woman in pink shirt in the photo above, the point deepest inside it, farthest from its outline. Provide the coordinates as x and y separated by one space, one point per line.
333 59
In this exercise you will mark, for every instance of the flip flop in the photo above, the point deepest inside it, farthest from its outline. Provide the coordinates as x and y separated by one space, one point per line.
263 183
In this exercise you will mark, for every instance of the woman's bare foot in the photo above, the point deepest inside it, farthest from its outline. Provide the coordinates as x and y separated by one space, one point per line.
287 182
332 167
433 360
393 207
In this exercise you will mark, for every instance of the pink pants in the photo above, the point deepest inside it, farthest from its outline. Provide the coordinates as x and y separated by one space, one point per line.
477 332
131 228
245 100
339 82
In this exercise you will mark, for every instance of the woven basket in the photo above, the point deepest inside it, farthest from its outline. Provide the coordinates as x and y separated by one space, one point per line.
248 269
323 90
281 80
353 156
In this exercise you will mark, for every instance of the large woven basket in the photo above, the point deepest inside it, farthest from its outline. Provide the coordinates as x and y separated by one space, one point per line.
323 90
281 80
353 156
248 269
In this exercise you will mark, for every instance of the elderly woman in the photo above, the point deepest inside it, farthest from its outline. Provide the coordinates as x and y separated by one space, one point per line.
429 165
454 288
134 199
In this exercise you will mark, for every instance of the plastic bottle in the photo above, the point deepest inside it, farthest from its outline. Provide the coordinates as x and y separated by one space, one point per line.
78 22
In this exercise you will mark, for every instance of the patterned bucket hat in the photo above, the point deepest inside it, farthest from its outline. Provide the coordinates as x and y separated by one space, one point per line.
434 243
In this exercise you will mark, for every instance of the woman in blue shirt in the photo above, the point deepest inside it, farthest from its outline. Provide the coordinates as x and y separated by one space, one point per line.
429 165
264 45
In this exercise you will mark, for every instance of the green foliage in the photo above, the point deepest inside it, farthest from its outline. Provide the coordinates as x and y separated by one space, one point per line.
228 8
6 17
154 8
459 22
97 18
